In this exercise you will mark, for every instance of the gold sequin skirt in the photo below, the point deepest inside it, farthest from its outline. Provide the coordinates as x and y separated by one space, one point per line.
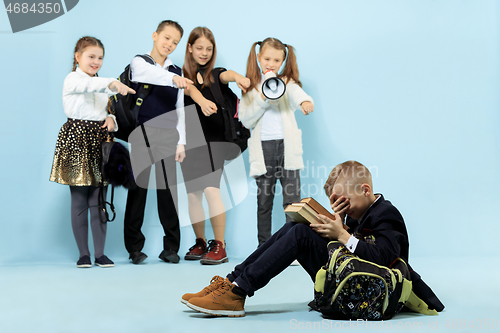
78 155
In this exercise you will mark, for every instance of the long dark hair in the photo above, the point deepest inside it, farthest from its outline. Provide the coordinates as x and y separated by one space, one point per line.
190 67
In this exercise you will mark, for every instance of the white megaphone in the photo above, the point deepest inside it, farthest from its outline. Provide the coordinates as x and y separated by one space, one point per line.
273 87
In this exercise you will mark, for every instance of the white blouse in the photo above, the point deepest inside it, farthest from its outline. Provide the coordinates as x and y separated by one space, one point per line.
86 97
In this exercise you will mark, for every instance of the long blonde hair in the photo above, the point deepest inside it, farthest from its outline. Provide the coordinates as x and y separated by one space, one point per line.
82 44
290 71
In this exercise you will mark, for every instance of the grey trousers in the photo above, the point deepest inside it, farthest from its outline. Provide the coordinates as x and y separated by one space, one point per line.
274 159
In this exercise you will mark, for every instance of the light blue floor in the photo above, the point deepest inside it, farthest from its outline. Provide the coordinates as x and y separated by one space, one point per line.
58 297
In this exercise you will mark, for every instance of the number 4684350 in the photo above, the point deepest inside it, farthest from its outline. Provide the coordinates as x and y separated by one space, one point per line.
474 324
25 8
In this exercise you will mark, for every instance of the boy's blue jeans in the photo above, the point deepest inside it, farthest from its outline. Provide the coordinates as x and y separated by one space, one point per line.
292 241
274 158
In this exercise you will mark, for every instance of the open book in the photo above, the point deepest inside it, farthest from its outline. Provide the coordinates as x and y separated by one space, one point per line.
307 211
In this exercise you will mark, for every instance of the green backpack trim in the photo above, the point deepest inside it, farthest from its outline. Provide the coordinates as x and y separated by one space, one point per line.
414 303
398 279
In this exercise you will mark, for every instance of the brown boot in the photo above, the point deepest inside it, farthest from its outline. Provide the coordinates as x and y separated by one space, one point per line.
215 283
220 302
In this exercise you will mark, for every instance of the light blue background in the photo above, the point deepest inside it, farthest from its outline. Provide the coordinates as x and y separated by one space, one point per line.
409 88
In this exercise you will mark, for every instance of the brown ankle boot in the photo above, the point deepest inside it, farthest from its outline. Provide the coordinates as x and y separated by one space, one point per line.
215 283
220 302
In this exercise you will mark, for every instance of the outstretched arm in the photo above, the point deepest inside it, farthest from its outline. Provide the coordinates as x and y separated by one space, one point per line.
141 71
231 76
298 99
207 106
79 84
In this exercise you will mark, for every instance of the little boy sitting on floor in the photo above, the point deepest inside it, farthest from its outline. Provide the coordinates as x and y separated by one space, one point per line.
378 235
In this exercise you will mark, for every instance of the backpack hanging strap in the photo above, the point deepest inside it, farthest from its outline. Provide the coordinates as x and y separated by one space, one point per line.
102 204
217 92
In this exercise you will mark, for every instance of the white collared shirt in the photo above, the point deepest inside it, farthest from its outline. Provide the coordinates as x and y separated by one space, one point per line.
142 71
86 97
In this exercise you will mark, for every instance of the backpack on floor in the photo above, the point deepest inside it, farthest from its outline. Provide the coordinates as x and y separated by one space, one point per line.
126 108
348 287
234 131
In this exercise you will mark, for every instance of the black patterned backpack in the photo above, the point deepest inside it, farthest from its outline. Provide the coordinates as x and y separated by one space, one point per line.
348 287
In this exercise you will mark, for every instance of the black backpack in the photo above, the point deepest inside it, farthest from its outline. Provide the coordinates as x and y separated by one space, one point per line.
234 131
350 288
126 108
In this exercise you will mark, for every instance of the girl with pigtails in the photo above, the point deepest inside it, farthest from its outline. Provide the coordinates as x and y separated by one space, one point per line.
77 158
275 145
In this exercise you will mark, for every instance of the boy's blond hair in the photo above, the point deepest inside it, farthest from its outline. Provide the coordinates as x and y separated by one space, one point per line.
348 173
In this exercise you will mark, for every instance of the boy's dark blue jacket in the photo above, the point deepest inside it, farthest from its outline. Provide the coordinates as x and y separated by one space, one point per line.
161 99
383 239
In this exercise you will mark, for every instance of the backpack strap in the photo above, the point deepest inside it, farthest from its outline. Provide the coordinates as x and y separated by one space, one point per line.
102 205
149 59
217 92
215 86
319 281
144 89
416 304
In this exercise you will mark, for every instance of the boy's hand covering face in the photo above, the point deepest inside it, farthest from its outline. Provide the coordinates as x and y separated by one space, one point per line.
339 204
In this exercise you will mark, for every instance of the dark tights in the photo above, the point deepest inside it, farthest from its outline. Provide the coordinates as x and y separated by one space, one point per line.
83 197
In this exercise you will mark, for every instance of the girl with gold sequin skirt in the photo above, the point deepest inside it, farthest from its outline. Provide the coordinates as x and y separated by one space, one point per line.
77 157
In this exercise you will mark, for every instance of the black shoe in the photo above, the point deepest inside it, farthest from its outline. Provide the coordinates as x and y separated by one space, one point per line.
84 262
137 257
104 261
169 256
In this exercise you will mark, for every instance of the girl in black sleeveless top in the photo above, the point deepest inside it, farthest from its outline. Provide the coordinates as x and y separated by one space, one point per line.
202 168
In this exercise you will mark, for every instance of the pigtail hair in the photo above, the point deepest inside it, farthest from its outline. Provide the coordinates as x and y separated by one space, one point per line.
109 107
253 70
291 70
78 48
